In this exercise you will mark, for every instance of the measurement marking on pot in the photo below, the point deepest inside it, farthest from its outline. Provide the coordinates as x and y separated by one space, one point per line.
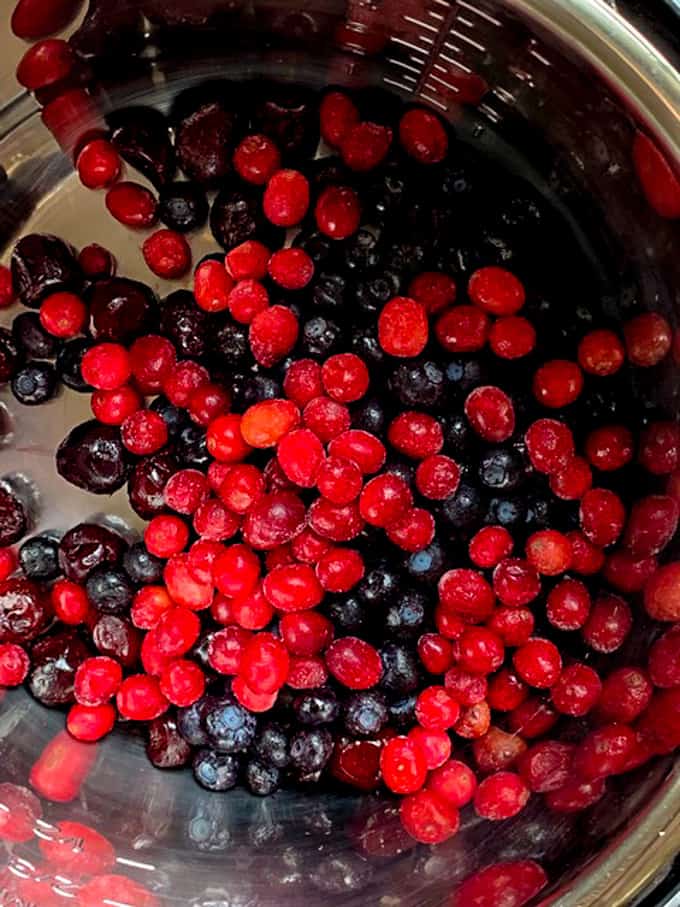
469 41
478 12
404 65
413 21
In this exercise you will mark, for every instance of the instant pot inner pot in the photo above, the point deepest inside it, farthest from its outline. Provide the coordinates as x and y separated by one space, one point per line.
547 125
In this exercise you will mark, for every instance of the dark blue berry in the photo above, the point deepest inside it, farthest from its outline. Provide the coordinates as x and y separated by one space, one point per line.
39 557
230 727
183 206
271 746
315 707
69 362
215 771
400 669
365 713
109 590
262 779
35 383
419 383
310 750
32 338
141 566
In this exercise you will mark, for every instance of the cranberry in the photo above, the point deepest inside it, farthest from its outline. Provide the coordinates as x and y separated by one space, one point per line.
489 546
648 339
575 796
32 19
651 525
506 691
365 145
361 447
466 688
466 592
512 337
340 569
586 558
257 159
558 383
572 481
306 672
402 327
550 445
417 435
63 314
500 796
106 366
306 632
462 329
423 136
97 262
292 587
213 522
148 605
45 63
659 724
664 660
413 531
546 766
236 571
302 381
657 177
180 383
454 782
166 535
660 448
474 721
20 811
354 663
513 625
608 625
225 441
402 766
436 709
577 690
490 412
242 488
301 455
609 447
497 291
167 254
538 663
99 166
337 115
140 698
274 520
479 651
434 745
273 334
225 649
625 695
250 699
603 752
113 407
339 480
516 582
264 424
661 598
291 268
286 198
626 573
248 261
132 205
97 680
568 605
182 682
212 286
7 292
264 663
435 653
433 290
144 432
8 563
338 212
601 353
326 418
14 664
532 718
602 516
308 547
497 750
384 499
90 723
428 818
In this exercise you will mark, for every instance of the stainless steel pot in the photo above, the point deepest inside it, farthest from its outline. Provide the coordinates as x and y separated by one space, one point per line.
564 84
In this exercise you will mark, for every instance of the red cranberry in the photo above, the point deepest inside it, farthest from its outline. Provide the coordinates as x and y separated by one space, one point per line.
302 381
250 699
516 582
77 849
651 525
506 691
466 688
572 481
423 136
661 593
538 663
491 414
626 573
274 520
437 477
558 383
273 334
306 632
462 329
140 699
326 418
225 441
286 198
365 145
512 337
182 682
609 447
546 766
132 205
500 796
225 649
90 723
106 366
533 718
413 530
586 558
179 384
337 115
402 766
603 752
264 424
257 159
354 663
549 552
479 651
550 445
608 625
648 339
602 516
167 254
8 563
568 605
45 63
664 660
428 818
308 547
402 327
144 432
497 291
96 261
264 663
7 292
63 314
488 546
435 653
301 455
433 290
183 587
657 177
361 447
345 377
166 535
97 681
340 569
436 709
98 166
454 782
466 592
339 480
416 435
626 693
577 690
659 724
384 499
660 448
601 353
113 407
293 587
236 571
14 664
306 672
513 625
246 300
575 796
291 268
212 286
248 261
149 603
338 212
434 745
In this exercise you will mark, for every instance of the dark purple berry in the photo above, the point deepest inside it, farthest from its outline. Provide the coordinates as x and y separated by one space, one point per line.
92 457
39 557
10 356
185 324
215 771
43 264
69 362
122 309
32 338
86 547
24 610
55 661
141 137
146 484
13 517
166 748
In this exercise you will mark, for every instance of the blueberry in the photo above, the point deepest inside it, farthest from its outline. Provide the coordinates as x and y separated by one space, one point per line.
405 258
402 712
228 344
39 557
459 438
13 517
69 362
191 449
310 750
375 290
501 469
406 615
317 245
142 138
271 746
386 196
362 252
141 566
183 206
262 779
348 614
463 510
147 482
174 417
329 291
366 345
315 707
32 338
230 727
400 669
464 375
185 324
398 466
190 722
87 546
35 383
43 264
10 357
109 590
419 383
166 748
122 309
92 457
369 415
215 771
320 337
427 565
365 713
379 586
541 512
509 512
255 388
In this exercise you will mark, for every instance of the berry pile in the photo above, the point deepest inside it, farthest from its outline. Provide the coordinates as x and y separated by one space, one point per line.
398 512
